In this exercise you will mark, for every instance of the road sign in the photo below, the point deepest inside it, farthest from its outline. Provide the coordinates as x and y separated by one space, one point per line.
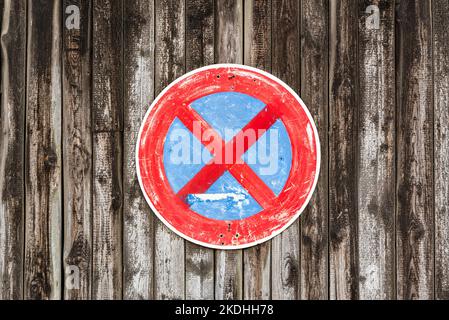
228 156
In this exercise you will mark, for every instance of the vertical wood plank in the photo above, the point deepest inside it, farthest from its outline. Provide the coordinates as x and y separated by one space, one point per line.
441 146
43 213
314 92
77 151
12 138
170 64
229 31
107 55
229 49
107 202
415 202
343 150
376 174
286 66
107 149
138 94
257 260
258 34
199 52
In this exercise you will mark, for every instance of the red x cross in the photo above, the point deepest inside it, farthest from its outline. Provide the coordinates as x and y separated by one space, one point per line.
238 168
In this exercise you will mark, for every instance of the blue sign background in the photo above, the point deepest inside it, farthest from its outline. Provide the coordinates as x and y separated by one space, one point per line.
226 199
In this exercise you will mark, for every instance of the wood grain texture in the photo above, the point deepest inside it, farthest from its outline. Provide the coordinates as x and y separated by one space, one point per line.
107 92
170 56
415 200
72 101
314 93
107 112
77 152
12 139
376 175
229 49
107 216
257 260
258 34
199 52
138 233
440 14
343 150
286 66
43 187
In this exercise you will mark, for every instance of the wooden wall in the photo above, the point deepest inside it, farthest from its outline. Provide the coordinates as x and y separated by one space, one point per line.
72 100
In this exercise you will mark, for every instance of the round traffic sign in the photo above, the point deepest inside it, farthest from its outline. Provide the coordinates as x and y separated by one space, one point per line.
228 156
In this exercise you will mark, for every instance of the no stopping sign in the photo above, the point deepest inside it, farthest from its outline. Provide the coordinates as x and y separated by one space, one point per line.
228 156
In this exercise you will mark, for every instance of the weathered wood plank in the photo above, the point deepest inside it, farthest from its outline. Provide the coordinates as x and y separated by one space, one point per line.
138 238
258 34
415 201
314 92
107 55
441 146
343 150
200 35
107 217
170 57
229 49
12 139
199 52
376 174
107 149
257 260
286 66
43 213
77 150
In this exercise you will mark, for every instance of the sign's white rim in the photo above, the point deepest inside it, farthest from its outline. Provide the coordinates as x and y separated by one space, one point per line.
318 158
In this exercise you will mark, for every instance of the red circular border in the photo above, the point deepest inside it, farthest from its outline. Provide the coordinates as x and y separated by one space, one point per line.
176 213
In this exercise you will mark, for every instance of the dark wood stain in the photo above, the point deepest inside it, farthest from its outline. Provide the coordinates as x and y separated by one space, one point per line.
107 112
343 106
12 138
314 92
415 198
77 150
43 154
441 145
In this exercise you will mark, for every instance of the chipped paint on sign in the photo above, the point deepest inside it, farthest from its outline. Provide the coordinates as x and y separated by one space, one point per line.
228 156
